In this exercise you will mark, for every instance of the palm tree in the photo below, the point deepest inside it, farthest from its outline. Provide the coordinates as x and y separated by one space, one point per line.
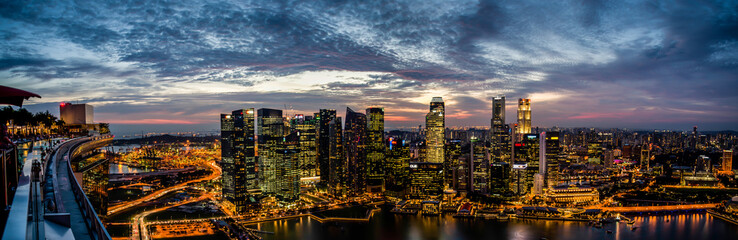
45 119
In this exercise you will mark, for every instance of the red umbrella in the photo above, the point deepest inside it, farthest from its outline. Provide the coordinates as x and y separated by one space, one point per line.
14 96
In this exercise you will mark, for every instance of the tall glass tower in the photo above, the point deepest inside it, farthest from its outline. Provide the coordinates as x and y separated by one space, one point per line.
523 116
499 131
376 164
324 117
271 143
238 158
354 135
435 126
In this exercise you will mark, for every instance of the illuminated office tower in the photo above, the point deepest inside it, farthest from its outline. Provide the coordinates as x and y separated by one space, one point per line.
288 169
306 127
523 116
240 176
227 156
435 125
727 160
396 164
271 145
375 154
499 132
336 158
355 145
645 156
426 179
528 151
552 151
324 117
540 177
479 156
499 174
452 166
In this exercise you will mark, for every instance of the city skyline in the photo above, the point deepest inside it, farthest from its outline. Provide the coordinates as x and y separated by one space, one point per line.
176 65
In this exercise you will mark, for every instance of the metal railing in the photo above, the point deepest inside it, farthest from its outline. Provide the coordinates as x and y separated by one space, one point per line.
97 229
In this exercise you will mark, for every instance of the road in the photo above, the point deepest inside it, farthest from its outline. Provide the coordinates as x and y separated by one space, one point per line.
139 230
161 192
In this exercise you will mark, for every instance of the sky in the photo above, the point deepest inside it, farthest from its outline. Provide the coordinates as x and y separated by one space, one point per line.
178 64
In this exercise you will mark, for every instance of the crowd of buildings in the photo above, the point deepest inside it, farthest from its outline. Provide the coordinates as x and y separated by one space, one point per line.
267 154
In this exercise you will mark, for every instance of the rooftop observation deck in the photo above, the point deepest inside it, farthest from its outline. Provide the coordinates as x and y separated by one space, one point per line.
58 207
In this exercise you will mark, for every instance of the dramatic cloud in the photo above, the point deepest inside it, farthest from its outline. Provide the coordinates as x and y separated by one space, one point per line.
595 63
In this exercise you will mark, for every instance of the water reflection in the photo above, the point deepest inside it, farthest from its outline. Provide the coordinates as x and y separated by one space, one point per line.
385 225
118 168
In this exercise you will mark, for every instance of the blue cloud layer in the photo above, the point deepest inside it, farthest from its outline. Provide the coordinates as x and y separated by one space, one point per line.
678 59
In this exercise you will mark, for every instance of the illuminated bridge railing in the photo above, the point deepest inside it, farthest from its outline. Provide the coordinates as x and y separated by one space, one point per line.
59 175
97 229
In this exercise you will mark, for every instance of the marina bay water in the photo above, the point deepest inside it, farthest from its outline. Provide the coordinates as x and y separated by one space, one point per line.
386 225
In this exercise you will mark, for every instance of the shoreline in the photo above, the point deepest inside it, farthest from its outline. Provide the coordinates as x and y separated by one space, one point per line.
723 217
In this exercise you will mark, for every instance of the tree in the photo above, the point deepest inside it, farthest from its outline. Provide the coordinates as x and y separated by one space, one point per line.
104 128
45 118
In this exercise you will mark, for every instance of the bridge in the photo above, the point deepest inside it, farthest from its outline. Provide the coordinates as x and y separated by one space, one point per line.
50 191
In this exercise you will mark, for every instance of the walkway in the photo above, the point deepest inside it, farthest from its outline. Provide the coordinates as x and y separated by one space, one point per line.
77 218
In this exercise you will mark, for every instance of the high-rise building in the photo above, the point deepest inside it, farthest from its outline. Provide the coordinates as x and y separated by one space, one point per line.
540 177
479 156
499 178
354 136
227 156
306 127
527 151
552 152
396 167
324 117
336 158
288 169
645 156
239 161
727 160
76 113
277 167
452 164
435 125
499 132
426 179
375 155
524 123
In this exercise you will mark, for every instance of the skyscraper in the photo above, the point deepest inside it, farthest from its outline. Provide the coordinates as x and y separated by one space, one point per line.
646 156
277 167
336 158
375 155
324 117
426 179
452 165
435 125
306 127
523 116
227 153
240 176
396 163
479 156
499 132
540 177
552 151
354 135
288 171
499 178
727 160
527 151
